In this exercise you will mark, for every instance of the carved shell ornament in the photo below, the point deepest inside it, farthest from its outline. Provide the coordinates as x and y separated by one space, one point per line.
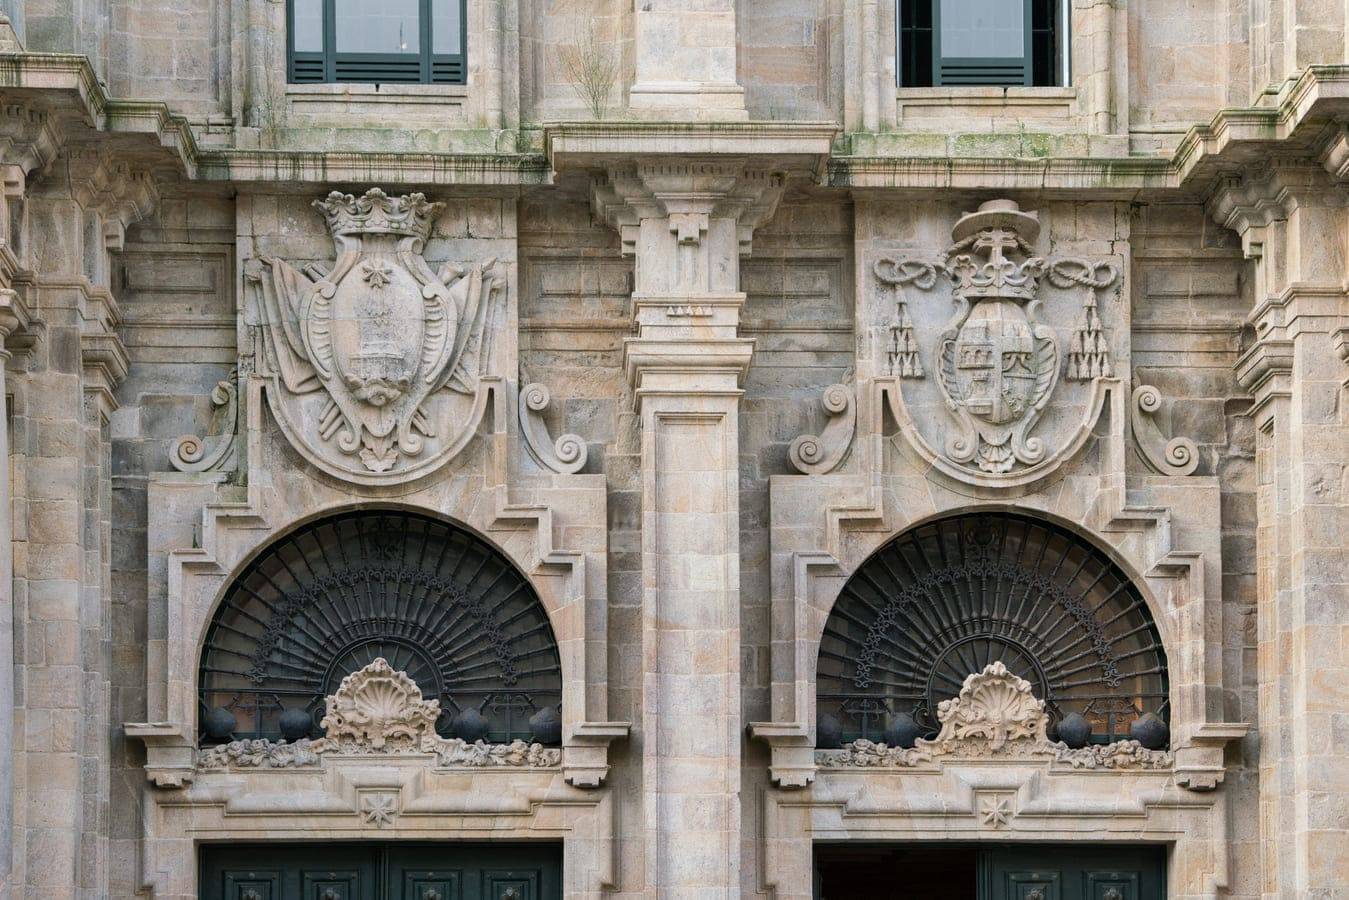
377 710
378 704
996 363
376 362
995 715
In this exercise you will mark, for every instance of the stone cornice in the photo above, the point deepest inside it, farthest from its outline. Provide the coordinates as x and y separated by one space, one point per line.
422 169
1302 121
799 149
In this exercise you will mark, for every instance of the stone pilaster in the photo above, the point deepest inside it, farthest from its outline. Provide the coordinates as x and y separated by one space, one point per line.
76 216
1292 221
687 223
685 55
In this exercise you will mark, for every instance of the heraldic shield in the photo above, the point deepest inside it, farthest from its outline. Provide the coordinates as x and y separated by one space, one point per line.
375 365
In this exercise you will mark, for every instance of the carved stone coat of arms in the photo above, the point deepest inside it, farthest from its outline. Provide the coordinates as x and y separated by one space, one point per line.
375 363
996 363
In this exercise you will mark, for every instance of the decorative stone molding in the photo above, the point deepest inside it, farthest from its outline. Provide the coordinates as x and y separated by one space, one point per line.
567 454
219 450
1178 456
377 364
994 705
377 710
820 454
378 706
899 272
1119 755
1089 350
997 361
995 715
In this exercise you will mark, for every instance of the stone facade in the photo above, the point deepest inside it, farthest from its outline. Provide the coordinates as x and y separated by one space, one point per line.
687 348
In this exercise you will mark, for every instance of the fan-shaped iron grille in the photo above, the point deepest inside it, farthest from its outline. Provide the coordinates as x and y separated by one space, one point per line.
948 598
326 600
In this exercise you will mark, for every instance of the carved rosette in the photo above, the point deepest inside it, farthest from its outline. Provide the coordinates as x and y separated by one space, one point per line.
377 710
995 715
376 362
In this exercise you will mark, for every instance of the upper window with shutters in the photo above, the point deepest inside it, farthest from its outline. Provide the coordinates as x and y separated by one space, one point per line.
376 41
999 43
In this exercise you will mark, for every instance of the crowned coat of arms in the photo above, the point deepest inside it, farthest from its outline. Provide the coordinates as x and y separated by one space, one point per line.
996 363
375 363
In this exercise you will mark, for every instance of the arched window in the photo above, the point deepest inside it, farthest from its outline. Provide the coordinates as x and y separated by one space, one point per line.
331 597
945 599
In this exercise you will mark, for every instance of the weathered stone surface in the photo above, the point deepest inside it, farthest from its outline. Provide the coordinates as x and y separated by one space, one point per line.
630 297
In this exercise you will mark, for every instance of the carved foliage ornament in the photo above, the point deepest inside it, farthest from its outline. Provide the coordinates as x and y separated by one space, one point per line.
996 363
371 360
377 709
996 714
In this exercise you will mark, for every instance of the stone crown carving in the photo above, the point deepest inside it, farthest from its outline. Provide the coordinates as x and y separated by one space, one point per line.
377 710
375 212
995 715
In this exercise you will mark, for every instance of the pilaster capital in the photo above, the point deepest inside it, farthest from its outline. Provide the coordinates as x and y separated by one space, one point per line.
15 316
119 192
688 192
29 140
1251 202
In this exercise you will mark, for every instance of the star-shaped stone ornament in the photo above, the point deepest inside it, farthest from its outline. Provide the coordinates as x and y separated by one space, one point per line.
995 811
379 809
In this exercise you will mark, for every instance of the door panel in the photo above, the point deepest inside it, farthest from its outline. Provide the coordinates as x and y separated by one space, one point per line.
510 886
1042 872
330 885
364 871
1111 885
432 885
1033 886
252 886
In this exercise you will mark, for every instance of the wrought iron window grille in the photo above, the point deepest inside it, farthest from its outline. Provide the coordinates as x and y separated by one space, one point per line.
944 600
332 596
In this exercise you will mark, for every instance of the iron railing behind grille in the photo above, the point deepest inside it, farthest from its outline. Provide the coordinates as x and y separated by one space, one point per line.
947 598
329 598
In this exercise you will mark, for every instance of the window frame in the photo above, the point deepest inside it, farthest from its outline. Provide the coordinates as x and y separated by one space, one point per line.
1059 67
365 68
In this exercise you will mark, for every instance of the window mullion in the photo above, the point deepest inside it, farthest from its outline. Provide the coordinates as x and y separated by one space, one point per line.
330 41
424 26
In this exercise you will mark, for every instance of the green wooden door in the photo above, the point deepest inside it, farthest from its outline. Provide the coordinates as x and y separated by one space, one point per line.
1072 873
407 871
989 871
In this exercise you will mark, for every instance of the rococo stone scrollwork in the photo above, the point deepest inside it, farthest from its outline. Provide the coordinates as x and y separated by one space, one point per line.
1177 456
567 454
376 710
997 715
820 454
376 363
219 450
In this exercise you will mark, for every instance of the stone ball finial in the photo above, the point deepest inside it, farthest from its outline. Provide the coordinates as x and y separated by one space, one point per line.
997 214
